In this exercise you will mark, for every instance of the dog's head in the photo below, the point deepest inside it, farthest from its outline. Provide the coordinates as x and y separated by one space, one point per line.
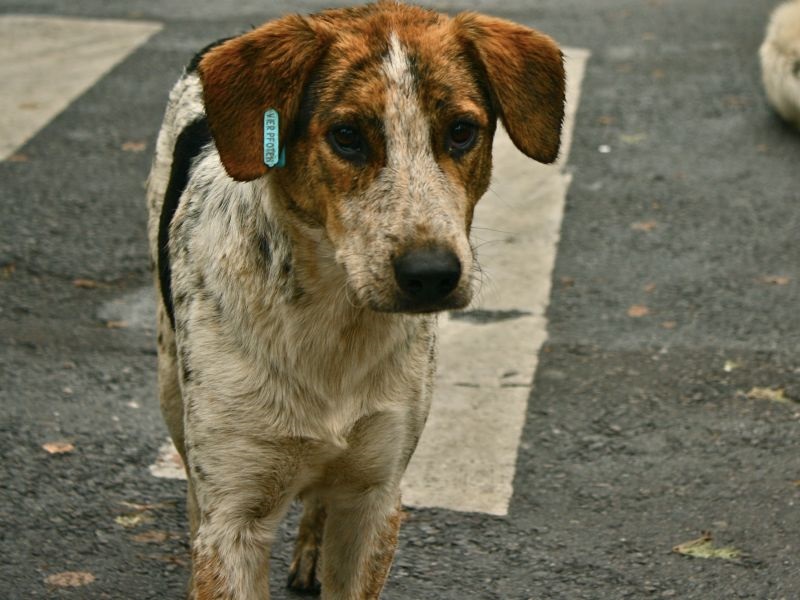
387 115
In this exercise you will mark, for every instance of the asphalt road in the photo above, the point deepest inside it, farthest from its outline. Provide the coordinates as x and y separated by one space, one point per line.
666 401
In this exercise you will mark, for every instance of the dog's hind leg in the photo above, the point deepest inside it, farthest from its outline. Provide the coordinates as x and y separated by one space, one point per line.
171 401
303 576
169 389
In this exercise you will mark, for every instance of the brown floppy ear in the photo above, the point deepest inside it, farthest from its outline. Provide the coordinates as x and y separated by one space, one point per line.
247 75
525 72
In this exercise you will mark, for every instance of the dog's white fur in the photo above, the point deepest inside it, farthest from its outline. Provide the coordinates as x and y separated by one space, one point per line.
780 61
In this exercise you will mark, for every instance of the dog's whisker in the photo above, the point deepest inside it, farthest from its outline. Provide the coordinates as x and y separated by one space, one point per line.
492 230
487 243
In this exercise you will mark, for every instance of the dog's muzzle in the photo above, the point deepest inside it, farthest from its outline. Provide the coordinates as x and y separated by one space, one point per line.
426 278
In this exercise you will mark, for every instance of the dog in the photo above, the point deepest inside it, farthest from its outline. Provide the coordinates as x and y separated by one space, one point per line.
780 61
310 204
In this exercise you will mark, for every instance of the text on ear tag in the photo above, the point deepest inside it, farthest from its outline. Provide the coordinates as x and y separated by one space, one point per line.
274 156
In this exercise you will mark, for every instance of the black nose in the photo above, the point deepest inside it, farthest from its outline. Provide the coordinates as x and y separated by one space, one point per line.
427 275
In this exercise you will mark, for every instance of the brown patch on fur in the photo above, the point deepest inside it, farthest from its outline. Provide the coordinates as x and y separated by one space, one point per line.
207 577
381 560
265 68
315 175
526 73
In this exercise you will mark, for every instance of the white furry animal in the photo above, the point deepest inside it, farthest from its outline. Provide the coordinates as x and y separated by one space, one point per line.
296 334
780 61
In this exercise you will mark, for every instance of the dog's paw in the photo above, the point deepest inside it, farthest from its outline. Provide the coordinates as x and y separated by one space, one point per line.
303 570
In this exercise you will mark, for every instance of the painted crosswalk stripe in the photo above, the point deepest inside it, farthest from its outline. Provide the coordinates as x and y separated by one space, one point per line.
467 455
46 62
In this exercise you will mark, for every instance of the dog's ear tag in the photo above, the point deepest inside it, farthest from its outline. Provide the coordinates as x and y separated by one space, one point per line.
274 155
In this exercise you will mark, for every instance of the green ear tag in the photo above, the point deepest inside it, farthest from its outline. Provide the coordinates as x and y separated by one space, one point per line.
274 156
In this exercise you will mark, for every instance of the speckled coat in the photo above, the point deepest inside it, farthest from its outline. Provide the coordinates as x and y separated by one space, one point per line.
295 349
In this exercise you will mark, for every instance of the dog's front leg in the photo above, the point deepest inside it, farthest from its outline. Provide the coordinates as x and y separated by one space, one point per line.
360 539
230 567
363 509
243 490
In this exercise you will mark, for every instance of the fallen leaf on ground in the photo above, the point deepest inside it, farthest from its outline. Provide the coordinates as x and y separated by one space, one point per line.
735 101
136 507
165 558
19 157
168 464
8 270
117 324
704 548
151 537
775 280
638 310
644 226
70 579
771 394
134 146
133 520
669 324
632 139
85 284
730 366
649 288
58 447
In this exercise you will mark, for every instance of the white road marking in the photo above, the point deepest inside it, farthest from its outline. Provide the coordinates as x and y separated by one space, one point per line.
47 62
169 464
467 455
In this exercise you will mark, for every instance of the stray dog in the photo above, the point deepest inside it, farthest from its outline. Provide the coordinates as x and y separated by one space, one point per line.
780 61
310 203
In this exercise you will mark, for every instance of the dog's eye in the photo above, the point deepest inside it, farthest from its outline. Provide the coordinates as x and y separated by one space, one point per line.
461 137
346 141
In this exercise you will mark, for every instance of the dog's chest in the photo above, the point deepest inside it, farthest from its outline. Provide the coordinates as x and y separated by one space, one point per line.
310 376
